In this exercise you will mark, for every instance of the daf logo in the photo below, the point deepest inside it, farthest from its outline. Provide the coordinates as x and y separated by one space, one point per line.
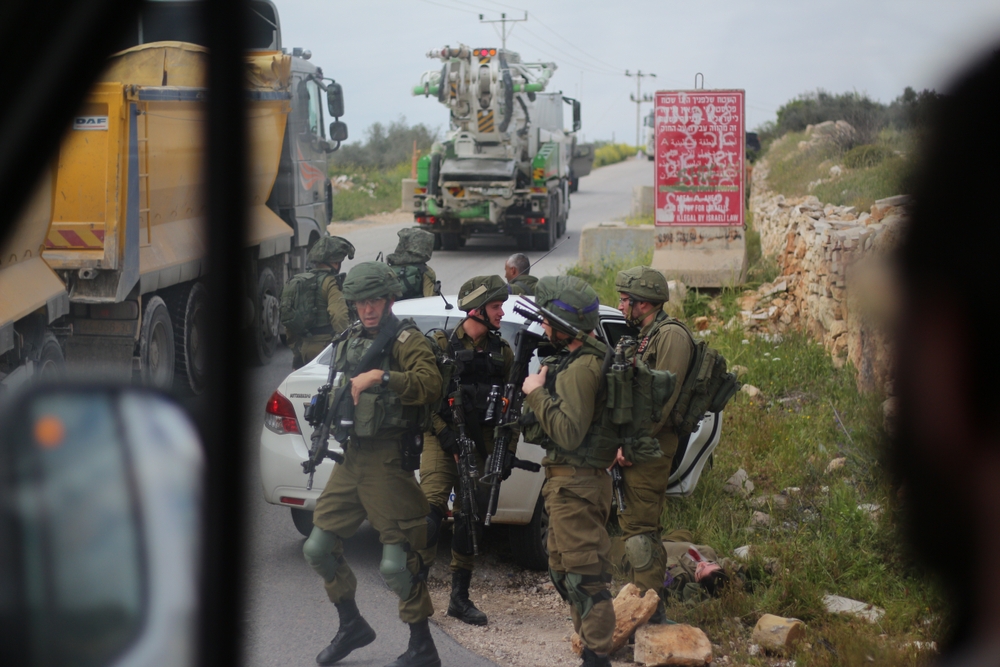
90 123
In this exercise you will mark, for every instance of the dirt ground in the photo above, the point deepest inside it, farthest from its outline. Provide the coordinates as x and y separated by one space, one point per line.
529 624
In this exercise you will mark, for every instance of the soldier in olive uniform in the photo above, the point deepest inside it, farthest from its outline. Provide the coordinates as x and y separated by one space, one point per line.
563 407
325 256
390 411
665 344
409 261
516 271
483 361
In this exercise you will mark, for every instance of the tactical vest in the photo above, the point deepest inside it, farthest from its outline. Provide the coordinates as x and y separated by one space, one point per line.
600 444
303 304
412 278
477 372
380 412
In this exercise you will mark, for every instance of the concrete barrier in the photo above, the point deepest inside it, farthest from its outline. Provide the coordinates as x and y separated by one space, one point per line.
642 200
607 242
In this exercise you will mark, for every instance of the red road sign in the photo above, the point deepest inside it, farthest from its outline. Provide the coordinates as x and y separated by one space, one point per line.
700 152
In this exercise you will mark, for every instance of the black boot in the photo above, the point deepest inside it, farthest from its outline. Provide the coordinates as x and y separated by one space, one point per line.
591 659
354 633
461 606
660 616
421 652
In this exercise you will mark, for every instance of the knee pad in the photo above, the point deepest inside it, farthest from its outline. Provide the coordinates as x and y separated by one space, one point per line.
394 572
581 599
641 550
559 581
318 551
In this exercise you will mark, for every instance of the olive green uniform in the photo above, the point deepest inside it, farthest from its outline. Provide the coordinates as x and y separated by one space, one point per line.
577 489
307 348
523 284
438 470
430 282
645 561
371 484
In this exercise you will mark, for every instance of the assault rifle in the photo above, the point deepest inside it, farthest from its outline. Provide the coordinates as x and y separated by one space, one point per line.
468 475
617 479
321 411
502 460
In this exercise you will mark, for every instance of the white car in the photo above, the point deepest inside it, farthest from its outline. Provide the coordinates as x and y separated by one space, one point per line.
284 441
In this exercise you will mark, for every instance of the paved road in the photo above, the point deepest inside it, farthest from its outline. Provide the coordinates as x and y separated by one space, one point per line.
289 619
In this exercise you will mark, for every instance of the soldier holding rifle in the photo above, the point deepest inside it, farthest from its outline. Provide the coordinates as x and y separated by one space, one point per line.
482 363
381 412
563 407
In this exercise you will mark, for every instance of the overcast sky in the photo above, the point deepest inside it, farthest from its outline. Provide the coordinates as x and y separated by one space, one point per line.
774 49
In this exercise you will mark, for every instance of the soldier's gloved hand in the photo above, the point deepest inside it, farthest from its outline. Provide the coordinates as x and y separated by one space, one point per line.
449 441
508 465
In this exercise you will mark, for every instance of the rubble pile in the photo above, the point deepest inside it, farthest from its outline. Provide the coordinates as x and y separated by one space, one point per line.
833 283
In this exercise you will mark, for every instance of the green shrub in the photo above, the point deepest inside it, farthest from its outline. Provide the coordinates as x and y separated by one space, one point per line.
868 155
611 153
374 191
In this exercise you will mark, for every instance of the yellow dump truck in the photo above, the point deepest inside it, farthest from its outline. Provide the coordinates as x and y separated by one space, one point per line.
31 297
128 211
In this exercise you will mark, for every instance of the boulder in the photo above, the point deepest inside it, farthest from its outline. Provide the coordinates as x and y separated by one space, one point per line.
631 610
672 645
777 634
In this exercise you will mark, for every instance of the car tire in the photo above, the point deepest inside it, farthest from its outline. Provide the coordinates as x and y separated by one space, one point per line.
544 240
437 241
529 543
449 240
303 520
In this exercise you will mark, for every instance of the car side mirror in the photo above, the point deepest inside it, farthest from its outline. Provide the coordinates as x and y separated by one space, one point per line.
338 131
335 100
100 507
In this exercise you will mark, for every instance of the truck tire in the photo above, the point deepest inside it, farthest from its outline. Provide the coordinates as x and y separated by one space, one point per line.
449 240
545 240
303 520
51 361
523 240
156 345
268 317
529 543
437 241
187 311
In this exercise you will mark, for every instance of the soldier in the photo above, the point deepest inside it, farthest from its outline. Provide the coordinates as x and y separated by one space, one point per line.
484 360
665 344
516 271
390 411
409 261
321 325
564 403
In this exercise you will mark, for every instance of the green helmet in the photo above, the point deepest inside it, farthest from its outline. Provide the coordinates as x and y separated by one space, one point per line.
330 250
644 284
481 290
571 298
415 247
371 280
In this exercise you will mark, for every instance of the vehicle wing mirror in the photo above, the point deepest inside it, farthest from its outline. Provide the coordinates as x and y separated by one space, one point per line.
335 100
338 131
119 472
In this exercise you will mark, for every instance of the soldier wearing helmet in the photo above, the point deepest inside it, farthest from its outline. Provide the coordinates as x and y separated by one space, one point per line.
483 360
564 403
665 344
390 410
409 261
330 315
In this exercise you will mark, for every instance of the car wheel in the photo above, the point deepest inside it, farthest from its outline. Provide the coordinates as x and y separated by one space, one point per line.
437 241
303 520
523 240
529 544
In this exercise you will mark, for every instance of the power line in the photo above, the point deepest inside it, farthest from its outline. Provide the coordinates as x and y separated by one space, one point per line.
573 59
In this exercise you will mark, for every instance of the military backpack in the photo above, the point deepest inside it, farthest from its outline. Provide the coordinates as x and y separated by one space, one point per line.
303 306
412 278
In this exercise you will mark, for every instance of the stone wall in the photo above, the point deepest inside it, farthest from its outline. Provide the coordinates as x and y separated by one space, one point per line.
834 281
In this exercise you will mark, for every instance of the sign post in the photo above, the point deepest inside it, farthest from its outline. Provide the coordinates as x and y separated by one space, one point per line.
700 186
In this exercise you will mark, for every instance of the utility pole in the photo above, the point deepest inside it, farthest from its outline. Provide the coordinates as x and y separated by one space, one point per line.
639 99
503 20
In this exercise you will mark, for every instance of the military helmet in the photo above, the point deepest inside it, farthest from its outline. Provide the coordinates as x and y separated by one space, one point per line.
371 280
330 250
643 284
571 298
415 247
481 290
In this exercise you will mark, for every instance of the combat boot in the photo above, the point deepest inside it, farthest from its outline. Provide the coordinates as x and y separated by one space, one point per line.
659 617
461 606
354 632
591 659
421 652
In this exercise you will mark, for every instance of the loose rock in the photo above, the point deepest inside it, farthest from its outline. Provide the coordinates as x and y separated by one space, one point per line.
836 464
835 604
778 634
631 610
672 645
750 390
739 483
760 519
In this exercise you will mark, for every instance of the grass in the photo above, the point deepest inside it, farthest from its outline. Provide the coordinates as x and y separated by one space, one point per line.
807 414
374 191
879 170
